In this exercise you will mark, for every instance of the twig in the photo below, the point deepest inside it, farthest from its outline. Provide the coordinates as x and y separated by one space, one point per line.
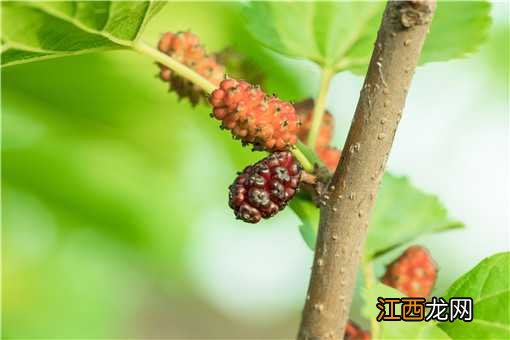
308 178
353 188
307 165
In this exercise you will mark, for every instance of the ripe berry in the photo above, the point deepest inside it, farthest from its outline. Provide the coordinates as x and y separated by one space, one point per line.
413 273
355 332
252 116
263 189
185 47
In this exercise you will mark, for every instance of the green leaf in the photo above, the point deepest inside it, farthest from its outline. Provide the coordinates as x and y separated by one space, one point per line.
489 287
309 214
401 210
330 33
397 329
340 35
405 213
454 36
41 30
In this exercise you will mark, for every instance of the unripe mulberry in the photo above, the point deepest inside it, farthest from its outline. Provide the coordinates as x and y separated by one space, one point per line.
355 332
185 48
413 273
267 123
330 156
263 189
326 129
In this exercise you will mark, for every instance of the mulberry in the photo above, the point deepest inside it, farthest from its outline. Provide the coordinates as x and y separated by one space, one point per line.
330 156
413 273
263 189
185 47
267 123
355 332
327 127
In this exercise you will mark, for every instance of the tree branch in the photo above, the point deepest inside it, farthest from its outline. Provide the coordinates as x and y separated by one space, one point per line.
353 188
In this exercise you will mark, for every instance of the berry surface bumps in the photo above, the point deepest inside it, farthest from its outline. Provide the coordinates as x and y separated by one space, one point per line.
414 273
252 116
263 189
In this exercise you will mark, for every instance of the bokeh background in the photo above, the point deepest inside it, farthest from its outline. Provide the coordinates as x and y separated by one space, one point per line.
114 214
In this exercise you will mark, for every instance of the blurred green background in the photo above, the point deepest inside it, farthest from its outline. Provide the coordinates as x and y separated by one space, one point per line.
115 222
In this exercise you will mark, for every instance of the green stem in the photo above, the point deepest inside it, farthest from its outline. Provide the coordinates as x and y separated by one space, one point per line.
187 73
307 166
319 107
177 67
369 279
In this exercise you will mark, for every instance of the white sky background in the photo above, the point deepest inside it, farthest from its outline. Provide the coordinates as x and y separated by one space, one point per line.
453 141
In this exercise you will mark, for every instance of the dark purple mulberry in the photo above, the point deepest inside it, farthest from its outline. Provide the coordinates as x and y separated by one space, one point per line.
263 189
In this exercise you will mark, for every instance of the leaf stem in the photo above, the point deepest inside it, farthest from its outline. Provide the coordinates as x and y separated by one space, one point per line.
307 166
319 107
369 279
174 65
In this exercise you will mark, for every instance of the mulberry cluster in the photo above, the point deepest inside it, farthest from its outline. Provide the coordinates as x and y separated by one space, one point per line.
355 332
185 47
329 155
267 123
263 189
413 273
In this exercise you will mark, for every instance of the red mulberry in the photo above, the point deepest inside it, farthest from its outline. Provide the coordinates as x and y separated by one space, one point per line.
185 47
355 332
252 116
413 273
263 189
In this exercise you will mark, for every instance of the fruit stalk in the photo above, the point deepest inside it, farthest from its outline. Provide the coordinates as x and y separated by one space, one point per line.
179 68
189 74
353 188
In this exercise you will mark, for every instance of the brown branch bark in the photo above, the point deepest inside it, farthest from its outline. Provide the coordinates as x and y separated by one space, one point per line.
353 188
